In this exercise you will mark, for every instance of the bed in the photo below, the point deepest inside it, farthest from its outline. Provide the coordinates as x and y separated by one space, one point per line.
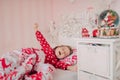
9 64
13 59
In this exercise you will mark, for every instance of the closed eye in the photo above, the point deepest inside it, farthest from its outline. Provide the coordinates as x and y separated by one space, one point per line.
59 53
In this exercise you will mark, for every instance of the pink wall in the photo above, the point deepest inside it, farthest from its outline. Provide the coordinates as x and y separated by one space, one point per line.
17 18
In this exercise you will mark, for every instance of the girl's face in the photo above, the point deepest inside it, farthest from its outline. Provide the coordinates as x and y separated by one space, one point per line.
62 52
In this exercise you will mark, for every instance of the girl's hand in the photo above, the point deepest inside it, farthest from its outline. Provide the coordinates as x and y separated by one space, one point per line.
35 26
72 68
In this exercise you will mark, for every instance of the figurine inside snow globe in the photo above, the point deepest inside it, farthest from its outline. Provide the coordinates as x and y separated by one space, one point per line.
108 24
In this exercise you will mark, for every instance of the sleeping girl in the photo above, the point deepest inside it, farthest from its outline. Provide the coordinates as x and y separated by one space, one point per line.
36 64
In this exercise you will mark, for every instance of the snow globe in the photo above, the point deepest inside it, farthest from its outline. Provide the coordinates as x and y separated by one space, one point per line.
108 24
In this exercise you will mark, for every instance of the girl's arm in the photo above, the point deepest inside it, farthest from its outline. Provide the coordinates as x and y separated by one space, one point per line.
42 41
72 67
44 44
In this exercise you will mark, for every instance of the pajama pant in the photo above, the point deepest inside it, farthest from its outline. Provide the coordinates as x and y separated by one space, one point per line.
20 65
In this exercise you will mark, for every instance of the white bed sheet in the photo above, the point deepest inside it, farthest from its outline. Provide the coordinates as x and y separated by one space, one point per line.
64 75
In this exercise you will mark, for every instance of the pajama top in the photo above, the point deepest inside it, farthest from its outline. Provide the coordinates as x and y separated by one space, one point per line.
50 56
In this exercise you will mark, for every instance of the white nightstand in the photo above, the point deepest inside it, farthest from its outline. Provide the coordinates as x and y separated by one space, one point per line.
98 59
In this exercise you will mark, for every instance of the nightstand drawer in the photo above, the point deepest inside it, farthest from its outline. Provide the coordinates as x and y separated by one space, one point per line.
94 58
